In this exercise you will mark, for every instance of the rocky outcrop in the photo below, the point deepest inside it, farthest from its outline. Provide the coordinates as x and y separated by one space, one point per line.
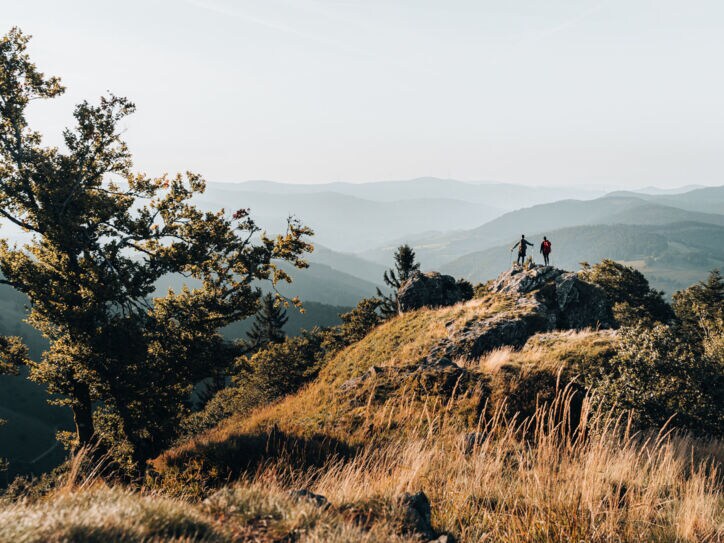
545 299
429 290
572 302
507 329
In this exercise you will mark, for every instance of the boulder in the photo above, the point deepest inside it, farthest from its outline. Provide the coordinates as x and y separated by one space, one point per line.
417 513
520 280
581 304
571 302
429 290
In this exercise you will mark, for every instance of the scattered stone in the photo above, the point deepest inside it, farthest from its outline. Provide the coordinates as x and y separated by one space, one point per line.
429 290
417 513
306 495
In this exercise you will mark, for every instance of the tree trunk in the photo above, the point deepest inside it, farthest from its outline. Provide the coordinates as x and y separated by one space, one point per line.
83 415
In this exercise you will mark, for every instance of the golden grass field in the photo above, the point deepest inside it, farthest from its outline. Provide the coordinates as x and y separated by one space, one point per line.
498 455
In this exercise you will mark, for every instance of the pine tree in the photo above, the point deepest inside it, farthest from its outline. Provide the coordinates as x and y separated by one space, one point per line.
101 235
405 266
268 325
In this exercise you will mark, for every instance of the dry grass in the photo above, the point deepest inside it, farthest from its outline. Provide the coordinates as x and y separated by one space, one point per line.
492 361
599 484
498 459
532 480
318 408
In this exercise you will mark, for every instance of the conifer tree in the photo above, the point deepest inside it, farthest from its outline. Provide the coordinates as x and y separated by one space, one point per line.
405 266
268 325
100 237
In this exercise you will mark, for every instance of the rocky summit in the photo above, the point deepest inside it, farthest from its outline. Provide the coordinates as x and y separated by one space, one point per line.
542 298
571 302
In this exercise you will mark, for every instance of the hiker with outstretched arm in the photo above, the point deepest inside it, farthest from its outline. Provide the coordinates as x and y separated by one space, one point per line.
545 249
522 246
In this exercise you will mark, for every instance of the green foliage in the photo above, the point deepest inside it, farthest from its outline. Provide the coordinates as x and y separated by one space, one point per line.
657 377
405 266
268 325
356 324
627 288
282 368
466 289
700 306
13 354
673 370
97 249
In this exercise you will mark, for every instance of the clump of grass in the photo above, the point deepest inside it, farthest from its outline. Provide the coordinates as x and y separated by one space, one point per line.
517 480
599 482
106 514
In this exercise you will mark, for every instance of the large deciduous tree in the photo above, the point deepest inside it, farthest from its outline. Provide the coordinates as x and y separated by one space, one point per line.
100 236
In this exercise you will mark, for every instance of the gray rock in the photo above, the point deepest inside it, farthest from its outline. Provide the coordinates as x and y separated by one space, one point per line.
429 290
417 513
520 280
546 299
306 495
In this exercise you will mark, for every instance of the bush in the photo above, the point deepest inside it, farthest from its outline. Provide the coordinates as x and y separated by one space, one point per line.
466 289
629 292
657 375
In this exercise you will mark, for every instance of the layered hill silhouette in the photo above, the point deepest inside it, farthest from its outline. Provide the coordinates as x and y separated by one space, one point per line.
440 249
673 255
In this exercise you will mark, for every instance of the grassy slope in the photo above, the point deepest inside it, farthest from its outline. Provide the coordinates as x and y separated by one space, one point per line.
388 406
393 436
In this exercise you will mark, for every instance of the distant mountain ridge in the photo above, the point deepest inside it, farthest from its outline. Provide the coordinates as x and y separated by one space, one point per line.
349 223
612 209
672 255
506 196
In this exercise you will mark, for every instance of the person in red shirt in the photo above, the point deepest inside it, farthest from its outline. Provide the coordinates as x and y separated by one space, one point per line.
545 249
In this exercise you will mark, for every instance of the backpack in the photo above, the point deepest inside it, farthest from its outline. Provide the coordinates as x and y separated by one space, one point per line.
546 247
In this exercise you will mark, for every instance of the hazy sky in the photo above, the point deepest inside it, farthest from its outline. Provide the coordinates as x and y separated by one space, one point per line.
619 92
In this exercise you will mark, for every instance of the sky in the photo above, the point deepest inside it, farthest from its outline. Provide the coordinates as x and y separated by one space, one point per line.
618 93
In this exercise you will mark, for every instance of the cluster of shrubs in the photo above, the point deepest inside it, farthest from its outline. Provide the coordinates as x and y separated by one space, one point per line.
669 362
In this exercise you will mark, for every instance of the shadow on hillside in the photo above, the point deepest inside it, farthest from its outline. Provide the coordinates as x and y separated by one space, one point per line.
211 463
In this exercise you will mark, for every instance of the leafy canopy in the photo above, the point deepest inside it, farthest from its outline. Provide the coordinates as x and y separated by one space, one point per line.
101 235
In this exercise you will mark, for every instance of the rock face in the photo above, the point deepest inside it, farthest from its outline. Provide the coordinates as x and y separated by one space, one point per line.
573 303
546 299
429 290
533 300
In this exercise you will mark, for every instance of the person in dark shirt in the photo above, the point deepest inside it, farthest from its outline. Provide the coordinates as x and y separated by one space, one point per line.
522 246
